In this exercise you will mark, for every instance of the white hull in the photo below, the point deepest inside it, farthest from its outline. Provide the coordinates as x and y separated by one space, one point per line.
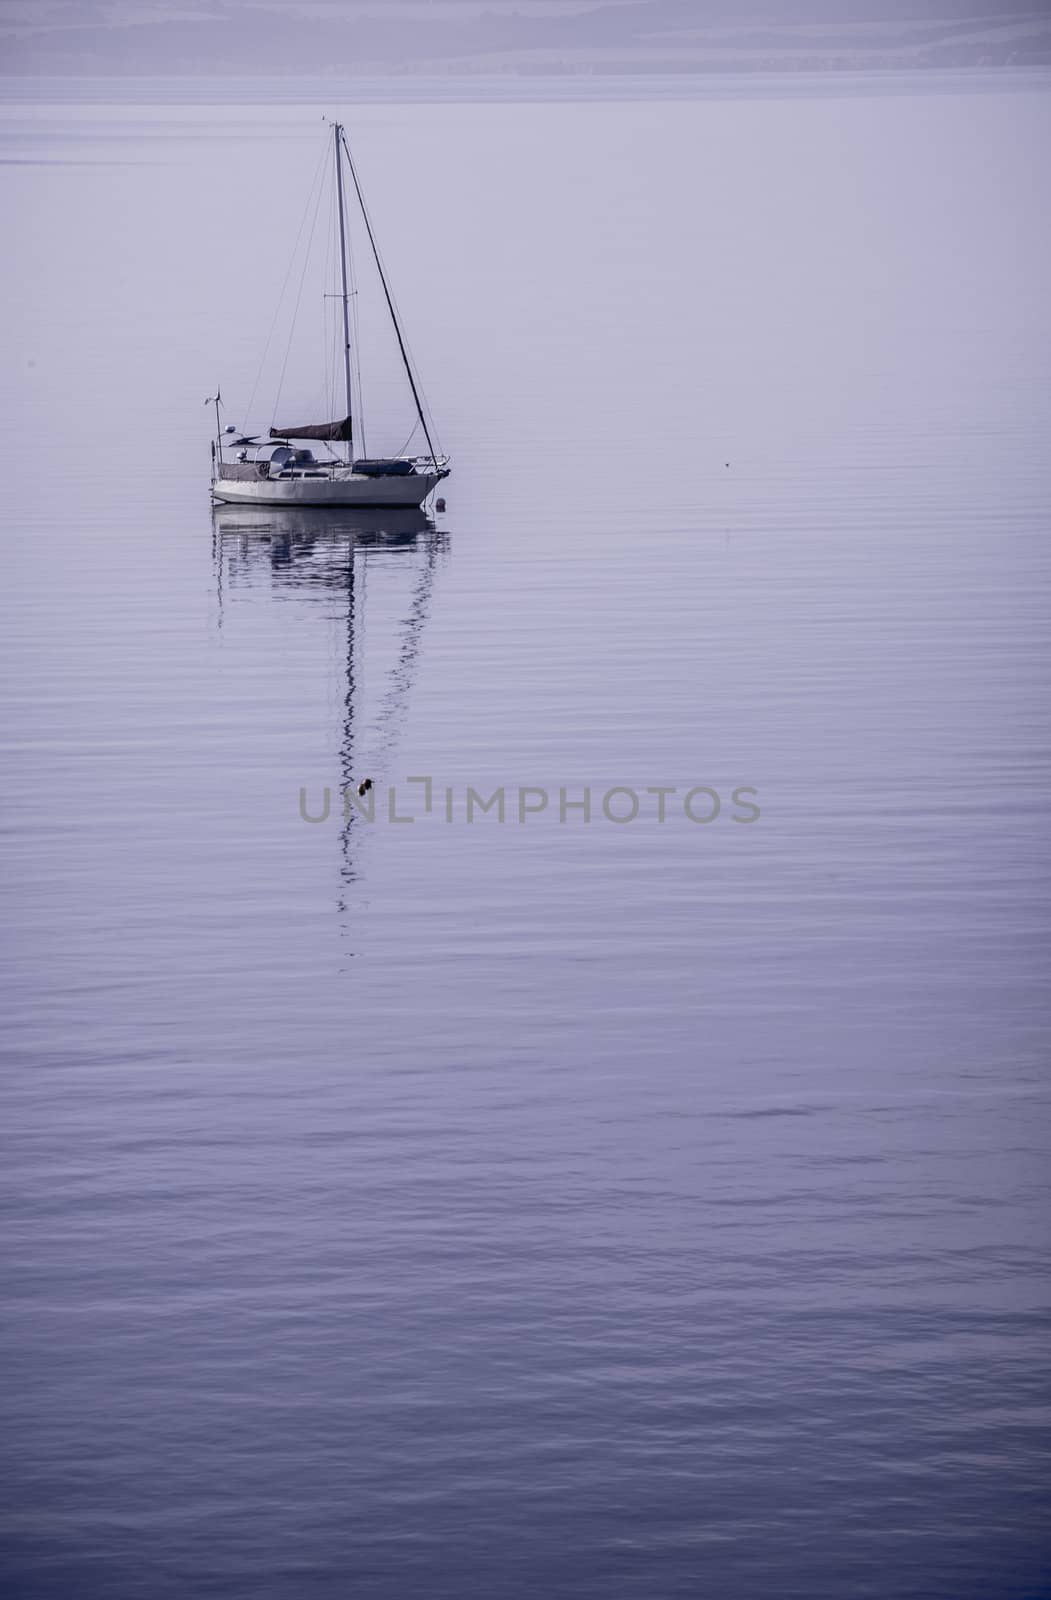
352 490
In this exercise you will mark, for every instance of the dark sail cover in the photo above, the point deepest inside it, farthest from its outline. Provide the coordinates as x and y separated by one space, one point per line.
320 430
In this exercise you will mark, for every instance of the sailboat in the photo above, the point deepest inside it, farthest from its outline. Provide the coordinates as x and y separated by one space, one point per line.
284 470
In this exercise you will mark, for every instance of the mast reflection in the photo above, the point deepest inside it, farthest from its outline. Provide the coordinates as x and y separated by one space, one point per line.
331 549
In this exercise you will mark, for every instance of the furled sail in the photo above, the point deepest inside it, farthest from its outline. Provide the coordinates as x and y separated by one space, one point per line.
320 430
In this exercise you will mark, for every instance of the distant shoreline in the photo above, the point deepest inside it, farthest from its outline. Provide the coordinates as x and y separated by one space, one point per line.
292 90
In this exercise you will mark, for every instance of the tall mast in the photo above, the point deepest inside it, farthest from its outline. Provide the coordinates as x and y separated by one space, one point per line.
337 135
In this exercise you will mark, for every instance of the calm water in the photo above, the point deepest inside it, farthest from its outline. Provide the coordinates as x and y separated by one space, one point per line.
567 1209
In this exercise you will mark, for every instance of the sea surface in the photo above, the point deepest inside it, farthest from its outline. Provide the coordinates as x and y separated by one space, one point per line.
504 1208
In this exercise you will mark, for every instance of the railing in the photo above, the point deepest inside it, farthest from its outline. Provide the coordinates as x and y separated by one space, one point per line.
251 471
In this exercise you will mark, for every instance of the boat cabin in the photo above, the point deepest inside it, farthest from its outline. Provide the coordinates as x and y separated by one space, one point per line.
284 462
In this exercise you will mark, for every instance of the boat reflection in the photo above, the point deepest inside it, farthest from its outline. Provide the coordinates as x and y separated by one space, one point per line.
304 548
301 536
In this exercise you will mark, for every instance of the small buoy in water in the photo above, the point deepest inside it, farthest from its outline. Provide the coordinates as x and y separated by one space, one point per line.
364 787
439 504
726 463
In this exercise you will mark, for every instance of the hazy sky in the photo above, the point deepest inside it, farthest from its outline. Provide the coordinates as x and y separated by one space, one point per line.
347 36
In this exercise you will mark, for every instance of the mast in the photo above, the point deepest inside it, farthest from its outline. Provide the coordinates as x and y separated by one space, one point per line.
337 136
390 303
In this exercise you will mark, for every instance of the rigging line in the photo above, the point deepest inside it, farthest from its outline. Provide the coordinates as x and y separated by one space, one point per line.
423 397
390 302
323 365
346 244
408 441
295 313
356 350
426 407
284 286
332 280
424 413
328 386
332 311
